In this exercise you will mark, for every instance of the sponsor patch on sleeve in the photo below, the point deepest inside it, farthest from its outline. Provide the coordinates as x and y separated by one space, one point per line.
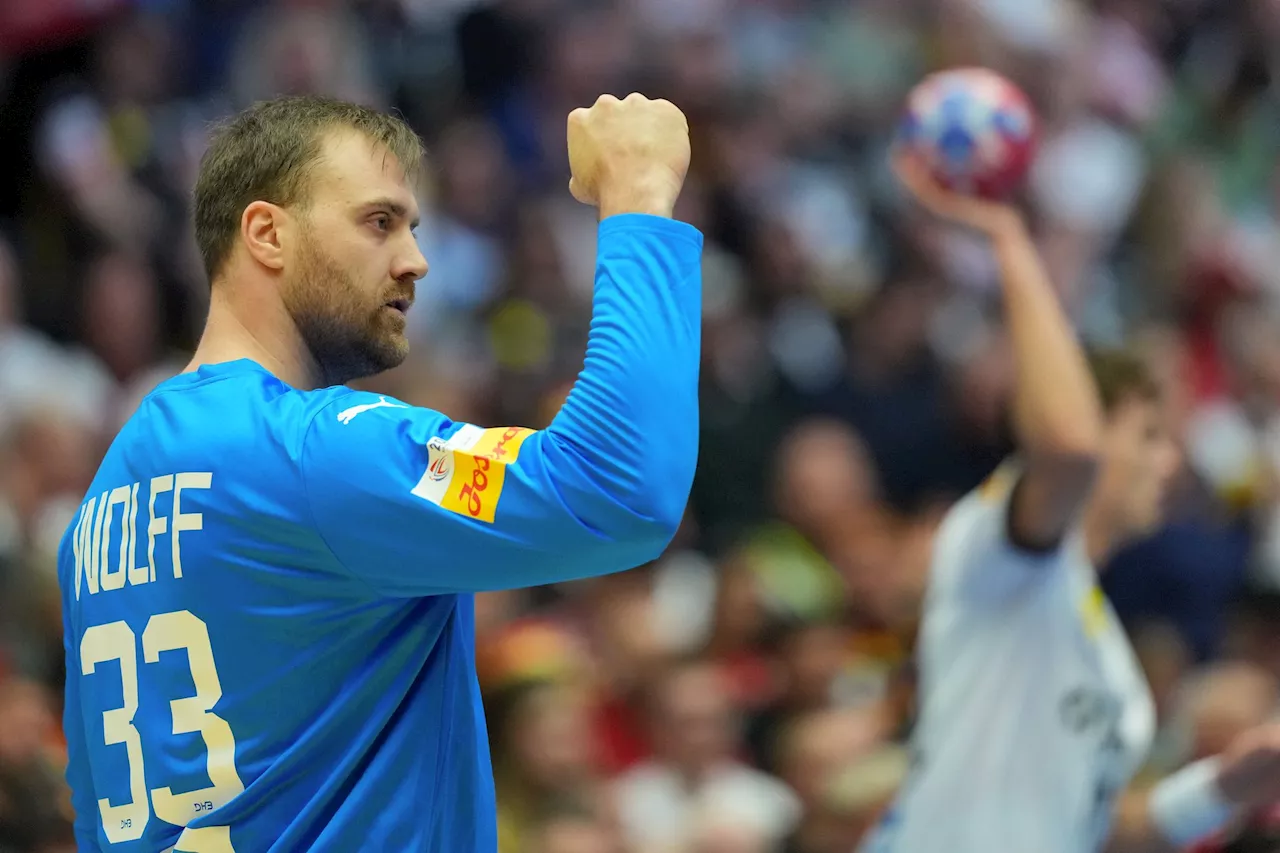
466 474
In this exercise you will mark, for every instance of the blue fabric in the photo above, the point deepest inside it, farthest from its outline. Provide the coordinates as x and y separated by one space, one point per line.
1188 574
303 563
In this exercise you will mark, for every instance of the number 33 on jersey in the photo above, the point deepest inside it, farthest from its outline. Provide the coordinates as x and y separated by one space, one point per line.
113 651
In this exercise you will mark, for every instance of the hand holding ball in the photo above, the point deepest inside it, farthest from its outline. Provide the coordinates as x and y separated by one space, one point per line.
971 130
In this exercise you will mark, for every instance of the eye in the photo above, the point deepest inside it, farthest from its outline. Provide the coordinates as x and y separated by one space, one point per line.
382 222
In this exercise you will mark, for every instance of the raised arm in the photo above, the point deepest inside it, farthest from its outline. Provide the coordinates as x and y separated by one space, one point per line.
416 504
1056 411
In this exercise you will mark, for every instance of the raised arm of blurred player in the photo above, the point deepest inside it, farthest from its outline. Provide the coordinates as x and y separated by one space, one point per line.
415 504
1199 801
1057 413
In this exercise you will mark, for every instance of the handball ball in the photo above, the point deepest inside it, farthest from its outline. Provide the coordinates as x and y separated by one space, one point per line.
973 129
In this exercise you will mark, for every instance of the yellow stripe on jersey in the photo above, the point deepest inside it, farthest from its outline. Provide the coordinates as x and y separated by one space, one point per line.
996 487
1093 612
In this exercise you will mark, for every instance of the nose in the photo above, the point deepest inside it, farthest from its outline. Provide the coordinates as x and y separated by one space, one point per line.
410 262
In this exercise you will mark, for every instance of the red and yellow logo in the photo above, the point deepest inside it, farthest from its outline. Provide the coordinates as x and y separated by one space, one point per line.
480 472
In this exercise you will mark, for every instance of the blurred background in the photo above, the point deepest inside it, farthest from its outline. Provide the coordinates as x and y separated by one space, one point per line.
751 691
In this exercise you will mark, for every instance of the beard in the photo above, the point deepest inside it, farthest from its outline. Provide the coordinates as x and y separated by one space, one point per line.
349 333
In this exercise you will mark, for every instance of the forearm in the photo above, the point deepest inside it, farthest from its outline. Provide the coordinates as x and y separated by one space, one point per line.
1056 411
1184 809
632 417
1055 406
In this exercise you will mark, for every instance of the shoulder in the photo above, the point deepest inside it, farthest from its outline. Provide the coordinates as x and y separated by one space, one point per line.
231 406
982 510
973 551
250 423
348 420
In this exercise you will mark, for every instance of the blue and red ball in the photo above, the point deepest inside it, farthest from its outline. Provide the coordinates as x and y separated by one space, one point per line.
974 130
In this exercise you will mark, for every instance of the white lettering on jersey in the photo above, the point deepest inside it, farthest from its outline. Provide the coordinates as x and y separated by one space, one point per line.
106 577
99 524
347 415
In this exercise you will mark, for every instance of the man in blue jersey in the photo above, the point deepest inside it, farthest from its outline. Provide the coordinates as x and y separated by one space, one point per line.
267 591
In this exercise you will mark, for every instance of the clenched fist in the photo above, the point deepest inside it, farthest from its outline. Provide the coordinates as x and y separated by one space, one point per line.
628 156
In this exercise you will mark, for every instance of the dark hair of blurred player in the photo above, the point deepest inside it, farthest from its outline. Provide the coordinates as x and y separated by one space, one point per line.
304 217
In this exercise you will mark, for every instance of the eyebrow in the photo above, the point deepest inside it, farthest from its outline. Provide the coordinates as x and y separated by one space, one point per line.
395 208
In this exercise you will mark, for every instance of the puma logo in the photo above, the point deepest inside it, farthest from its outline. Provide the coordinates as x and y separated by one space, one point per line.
347 415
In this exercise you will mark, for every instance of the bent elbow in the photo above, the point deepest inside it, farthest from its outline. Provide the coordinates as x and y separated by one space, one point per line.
666 519
652 539
659 498
632 498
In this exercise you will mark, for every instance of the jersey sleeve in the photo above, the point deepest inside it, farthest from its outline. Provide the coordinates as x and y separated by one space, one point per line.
415 504
975 558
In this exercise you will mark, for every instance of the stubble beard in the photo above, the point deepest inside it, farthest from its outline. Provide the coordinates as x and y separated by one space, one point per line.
345 334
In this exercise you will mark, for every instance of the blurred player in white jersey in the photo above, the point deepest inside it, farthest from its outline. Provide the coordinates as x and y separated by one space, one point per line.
1034 714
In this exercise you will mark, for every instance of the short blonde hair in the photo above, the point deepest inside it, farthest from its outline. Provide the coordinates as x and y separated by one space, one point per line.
267 153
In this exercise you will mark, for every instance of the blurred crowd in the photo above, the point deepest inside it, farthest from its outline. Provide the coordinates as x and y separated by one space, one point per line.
751 691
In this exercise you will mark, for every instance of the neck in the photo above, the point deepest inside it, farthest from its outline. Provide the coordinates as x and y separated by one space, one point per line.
259 329
1104 533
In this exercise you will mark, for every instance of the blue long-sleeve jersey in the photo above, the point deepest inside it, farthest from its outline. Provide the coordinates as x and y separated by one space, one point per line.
267 592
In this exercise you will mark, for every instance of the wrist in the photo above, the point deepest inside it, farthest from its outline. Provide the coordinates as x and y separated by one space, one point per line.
653 205
1190 805
650 194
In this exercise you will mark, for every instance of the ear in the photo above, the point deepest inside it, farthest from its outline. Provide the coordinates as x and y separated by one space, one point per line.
265 227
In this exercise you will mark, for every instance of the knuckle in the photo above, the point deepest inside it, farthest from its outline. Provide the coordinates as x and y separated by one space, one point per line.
674 112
